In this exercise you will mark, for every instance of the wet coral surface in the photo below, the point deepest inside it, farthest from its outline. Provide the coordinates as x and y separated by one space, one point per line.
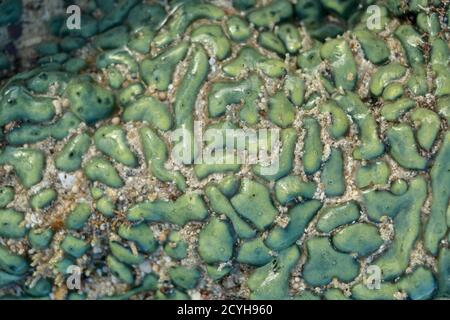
89 181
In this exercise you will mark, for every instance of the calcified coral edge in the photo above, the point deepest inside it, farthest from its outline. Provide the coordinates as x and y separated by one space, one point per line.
88 183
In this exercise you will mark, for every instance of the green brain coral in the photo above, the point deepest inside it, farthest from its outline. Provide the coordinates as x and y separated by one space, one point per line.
99 168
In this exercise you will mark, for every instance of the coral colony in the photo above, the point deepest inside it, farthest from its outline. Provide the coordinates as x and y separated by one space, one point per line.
106 194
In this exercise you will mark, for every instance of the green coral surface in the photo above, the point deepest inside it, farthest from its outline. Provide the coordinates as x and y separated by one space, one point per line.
358 115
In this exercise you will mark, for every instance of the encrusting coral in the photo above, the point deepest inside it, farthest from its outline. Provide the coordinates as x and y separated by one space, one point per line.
88 177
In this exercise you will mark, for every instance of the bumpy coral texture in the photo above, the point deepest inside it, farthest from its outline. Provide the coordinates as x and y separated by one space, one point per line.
88 181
